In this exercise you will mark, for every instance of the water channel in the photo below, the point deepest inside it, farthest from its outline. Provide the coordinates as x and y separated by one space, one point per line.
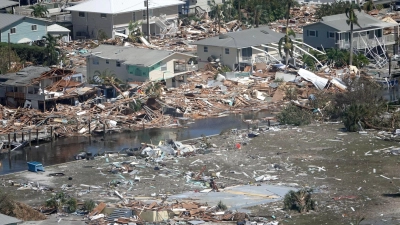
63 149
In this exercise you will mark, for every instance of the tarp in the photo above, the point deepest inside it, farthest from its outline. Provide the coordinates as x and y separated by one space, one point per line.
319 82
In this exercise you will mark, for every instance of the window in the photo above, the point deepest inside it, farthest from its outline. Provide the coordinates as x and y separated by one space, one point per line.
95 61
133 16
118 64
13 30
107 61
81 14
102 15
247 52
312 33
331 35
205 49
144 14
138 72
164 67
227 51
208 2
34 27
378 33
266 49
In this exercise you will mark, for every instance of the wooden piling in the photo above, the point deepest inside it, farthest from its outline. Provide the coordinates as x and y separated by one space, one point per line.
30 138
22 136
37 136
15 136
9 141
51 133
269 123
104 130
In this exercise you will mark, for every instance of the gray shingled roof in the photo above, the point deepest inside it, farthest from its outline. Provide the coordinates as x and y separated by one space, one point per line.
7 19
8 219
131 55
7 3
365 21
22 77
243 39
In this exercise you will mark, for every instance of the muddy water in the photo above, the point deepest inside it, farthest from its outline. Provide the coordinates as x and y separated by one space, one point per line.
63 150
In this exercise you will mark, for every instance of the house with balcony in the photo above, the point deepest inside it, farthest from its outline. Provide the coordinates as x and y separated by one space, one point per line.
113 16
21 29
130 64
333 32
240 49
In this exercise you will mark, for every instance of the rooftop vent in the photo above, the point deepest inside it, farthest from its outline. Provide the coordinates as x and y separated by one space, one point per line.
264 31
22 73
223 36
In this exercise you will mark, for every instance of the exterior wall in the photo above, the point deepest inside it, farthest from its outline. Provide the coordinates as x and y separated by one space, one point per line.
204 4
321 40
131 73
24 30
157 74
219 52
121 72
91 24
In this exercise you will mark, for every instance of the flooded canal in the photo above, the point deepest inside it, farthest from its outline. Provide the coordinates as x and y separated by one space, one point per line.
63 150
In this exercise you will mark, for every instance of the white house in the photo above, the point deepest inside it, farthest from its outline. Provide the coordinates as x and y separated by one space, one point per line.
111 16
240 48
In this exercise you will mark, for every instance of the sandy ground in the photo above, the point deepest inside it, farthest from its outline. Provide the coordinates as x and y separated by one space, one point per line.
354 168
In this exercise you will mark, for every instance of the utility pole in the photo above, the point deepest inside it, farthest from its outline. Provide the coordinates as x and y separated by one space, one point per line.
9 52
148 20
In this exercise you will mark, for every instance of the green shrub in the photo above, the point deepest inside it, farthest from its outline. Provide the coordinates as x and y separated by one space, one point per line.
295 116
299 200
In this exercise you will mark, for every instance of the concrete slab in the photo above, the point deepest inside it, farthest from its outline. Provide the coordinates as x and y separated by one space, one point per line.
238 197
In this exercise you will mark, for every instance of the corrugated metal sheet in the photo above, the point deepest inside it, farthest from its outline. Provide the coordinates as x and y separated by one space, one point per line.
319 82
118 213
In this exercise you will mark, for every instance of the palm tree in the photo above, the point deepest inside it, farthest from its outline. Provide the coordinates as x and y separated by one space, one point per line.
258 10
108 77
351 20
134 30
216 13
308 61
50 44
336 56
39 10
300 200
369 5
154 90
288 47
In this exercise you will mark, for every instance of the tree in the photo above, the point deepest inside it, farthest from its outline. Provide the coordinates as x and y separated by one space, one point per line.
288 46
351 20
258 10
101 35
134 30
336 57
308 61
299 200
216 13
154 89
369 5
360 60
39 10
108 77
50 45
334 8
7 54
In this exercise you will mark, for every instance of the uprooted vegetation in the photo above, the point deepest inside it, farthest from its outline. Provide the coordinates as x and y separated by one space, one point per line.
19 210
361 106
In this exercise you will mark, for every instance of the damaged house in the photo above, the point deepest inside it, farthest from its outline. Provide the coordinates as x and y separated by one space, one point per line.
240 49
113 16
130 64
42 87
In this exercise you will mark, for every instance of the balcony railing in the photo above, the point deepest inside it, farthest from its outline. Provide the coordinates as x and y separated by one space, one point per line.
362 42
